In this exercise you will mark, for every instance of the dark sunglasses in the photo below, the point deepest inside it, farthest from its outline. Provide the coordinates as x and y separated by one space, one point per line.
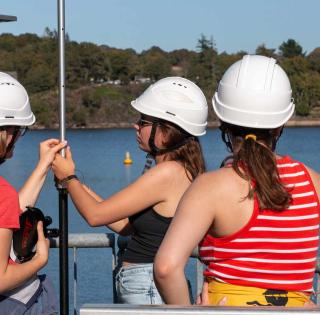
143 122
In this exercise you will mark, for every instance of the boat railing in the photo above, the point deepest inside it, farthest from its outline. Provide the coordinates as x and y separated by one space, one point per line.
117 245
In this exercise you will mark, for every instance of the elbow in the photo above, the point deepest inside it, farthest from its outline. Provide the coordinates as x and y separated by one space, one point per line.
164 268
93 221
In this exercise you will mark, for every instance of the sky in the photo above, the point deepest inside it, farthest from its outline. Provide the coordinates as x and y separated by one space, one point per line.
234 25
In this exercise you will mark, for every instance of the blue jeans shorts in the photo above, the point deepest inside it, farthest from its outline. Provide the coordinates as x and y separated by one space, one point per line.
44 302
135 285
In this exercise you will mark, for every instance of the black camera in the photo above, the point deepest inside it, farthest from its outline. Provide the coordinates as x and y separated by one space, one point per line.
25 239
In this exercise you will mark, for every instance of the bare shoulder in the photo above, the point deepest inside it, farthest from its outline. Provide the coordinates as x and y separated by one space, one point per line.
162 174
215 183
167 169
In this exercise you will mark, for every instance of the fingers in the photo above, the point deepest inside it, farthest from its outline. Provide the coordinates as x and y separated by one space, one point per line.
205 293
49 142
40 231
309 304
52 143
59 146
223 301
68 153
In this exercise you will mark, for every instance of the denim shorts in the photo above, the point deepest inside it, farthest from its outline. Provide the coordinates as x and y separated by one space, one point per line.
44 302
135 285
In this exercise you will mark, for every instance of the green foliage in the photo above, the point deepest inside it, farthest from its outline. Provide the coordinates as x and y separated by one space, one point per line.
102 81
314 59
91 99
155 64
79 118
302 109
264 51
290 49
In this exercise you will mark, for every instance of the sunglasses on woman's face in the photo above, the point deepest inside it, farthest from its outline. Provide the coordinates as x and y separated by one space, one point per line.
144 122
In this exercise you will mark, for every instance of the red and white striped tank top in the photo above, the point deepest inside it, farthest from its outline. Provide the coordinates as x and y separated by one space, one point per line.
274 250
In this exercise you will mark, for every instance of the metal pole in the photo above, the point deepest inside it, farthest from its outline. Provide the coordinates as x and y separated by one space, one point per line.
63 195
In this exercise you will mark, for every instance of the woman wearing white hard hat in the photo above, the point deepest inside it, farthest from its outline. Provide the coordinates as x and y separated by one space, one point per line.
173 114
256 218
21 290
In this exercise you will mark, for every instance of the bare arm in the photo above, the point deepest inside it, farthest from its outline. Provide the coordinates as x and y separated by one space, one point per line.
11 276
148 190
30 191
191 222
121 227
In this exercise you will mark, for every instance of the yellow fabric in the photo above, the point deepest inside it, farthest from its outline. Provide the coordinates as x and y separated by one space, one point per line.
251 296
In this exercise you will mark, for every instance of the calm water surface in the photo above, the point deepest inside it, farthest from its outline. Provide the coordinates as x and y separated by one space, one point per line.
99 155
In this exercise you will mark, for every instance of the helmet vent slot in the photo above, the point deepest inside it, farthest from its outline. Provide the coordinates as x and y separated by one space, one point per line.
174 83
9 117
170 113
7 83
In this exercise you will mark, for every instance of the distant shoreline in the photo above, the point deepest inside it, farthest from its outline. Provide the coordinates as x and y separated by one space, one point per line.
211 124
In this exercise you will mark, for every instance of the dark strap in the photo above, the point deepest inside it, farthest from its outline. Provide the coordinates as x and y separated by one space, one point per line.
148 164
155 150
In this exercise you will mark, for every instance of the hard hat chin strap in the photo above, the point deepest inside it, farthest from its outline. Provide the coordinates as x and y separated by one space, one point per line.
157 151
148 164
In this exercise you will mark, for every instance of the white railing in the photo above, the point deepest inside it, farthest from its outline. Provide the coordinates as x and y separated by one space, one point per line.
119 309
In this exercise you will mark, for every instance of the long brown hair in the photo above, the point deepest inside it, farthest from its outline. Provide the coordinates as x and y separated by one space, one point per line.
255 161
3 142
189 154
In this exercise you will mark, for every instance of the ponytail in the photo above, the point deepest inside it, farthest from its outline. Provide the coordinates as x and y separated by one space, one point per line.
256 162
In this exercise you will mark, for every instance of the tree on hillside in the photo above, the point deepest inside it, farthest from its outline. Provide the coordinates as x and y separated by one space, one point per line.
305 84
155 63
290 49
121 64
314 59
264 51
202 68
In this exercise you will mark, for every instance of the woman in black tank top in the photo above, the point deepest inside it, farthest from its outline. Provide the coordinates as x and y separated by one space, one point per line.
173 114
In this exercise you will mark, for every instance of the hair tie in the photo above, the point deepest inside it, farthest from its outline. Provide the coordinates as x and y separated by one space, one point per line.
250 136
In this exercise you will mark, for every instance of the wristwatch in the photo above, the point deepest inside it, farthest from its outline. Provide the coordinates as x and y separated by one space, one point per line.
63 182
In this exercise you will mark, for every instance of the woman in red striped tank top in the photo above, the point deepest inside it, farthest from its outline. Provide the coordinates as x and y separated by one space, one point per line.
256 220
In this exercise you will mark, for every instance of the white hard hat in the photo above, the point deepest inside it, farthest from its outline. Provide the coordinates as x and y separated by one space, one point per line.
254 92
15 107
177 100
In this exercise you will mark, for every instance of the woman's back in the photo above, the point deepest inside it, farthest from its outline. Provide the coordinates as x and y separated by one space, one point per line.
272 249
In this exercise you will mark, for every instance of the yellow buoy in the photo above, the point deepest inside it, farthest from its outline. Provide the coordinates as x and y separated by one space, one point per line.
127 159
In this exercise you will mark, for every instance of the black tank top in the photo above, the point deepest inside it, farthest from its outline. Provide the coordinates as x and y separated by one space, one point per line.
149 230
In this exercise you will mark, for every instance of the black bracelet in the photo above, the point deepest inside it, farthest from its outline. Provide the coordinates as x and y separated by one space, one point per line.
63 182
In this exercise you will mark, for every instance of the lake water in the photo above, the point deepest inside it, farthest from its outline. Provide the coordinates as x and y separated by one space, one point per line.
99 158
